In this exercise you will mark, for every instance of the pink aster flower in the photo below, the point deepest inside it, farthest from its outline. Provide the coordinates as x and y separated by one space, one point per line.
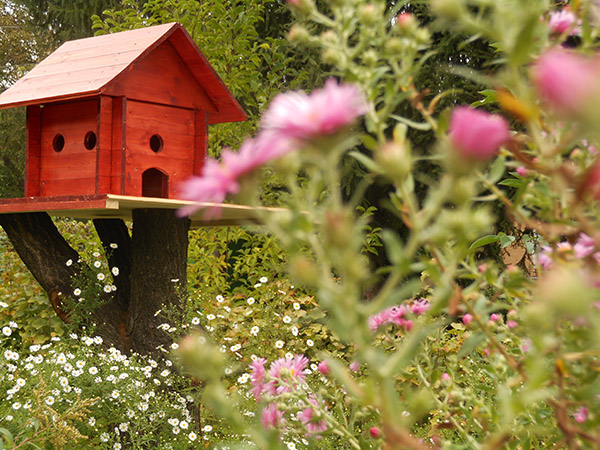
271 417
446 378
307 417
354 366
581 415
221 178
258 377
467 319
522 171
296 115
477 135
584 246
323 368
419 307
566 80
561 21
286 374
511 324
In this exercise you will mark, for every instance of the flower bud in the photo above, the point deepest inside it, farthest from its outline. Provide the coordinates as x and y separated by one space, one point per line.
303 7
201 358
298 34
394 46
395 160
406 23
304 270
370 57
369 15
374 432
331 56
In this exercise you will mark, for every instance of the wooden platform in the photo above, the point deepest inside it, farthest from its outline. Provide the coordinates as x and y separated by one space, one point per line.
110 206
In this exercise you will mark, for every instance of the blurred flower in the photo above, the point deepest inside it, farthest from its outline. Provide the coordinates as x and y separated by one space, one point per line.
296 115
445 377
467 319
258 377
522 171
581 415
354 366
566 80
374 432
306 416
561 21
271 417
323 368
477 135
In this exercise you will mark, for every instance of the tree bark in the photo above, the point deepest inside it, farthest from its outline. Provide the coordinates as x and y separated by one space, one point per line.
151 272
158 277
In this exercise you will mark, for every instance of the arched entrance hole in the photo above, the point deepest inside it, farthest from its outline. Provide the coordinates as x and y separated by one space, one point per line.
155 183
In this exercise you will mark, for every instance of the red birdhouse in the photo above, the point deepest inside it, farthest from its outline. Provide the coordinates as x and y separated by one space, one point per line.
124 113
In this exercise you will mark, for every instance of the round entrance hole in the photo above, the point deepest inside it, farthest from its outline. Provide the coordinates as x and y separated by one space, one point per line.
90 140
156 143
58 143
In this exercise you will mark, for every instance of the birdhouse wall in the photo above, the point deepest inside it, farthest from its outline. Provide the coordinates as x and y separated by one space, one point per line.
161 77
158 137
67 150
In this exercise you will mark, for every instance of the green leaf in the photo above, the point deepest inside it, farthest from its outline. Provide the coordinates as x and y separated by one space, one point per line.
490 238
512 182
366 161
497 169
506 240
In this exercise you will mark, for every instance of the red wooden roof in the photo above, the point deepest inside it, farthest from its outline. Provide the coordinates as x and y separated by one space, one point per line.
88 66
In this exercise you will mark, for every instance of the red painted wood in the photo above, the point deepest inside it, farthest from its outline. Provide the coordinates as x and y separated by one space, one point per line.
104 145
161 60
33 146
25 204
161 77
200 140
82 186
117 181
73 121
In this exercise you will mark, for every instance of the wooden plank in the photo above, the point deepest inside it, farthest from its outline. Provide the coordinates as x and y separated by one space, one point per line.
68 186
33 150
104 146
138 38
117 170
200 140
73 165
121 207
149 116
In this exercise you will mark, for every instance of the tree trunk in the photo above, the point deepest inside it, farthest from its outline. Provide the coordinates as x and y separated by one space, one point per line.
151 272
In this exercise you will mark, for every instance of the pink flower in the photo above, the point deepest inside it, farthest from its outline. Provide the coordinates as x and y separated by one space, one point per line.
477 135
419 307
286 374
522 171
544 258
561 21
494 317
584 246
307 417
258 377
481 268
566 80
467 319
581 415
296 115
221 178
374 432
511 324
445 377
271 417
354 366
323 367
